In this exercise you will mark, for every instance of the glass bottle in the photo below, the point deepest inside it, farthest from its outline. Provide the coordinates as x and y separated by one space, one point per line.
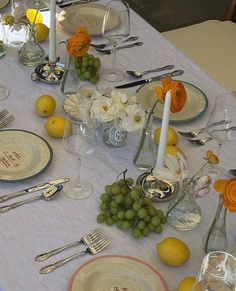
69 81
216 237
183 212
145 153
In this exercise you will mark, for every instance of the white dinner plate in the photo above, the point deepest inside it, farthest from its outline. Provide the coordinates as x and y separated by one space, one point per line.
89 15
196 103
23 155
108 273
3 3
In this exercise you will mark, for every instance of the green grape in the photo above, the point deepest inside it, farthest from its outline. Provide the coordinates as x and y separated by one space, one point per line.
121 214
136 233
135 194
147 218
90 63
115 189
124 189
90 56
100 218
97 63
151 210
126 225
160 213
104 206
108 189
93 80
142 213
151 227
147 200
129 181
107 213
82 77
114 217
87 75
163 220
109 221
155 220
136 206
158 229
83 70
139 188
105 197
119 199
129 214
119 223
114 210
114 204
90 69
146 231
128 201
141 224
121 182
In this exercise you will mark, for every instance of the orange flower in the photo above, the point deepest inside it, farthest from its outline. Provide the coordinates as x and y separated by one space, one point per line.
178 94
219 185
212 158
229 195
78 44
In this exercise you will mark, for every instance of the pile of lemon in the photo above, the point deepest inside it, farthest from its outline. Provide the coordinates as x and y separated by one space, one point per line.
41 29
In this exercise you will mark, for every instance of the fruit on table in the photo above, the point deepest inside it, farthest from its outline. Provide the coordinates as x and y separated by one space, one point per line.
55 126
173 251
173 150
186 284
172 136
45 105
30 15
41 32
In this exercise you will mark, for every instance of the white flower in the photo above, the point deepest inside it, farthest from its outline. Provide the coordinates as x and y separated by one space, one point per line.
134 119
119 97
202 187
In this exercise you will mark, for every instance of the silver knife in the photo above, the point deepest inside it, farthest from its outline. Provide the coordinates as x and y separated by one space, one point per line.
157 78
33 189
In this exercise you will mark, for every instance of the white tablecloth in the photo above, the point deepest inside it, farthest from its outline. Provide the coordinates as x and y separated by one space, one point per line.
41 226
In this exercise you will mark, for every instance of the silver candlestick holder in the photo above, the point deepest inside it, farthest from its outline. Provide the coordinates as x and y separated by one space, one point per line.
158 190
48 72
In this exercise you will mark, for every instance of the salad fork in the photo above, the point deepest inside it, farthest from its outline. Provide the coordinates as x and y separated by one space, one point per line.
88 239
109 51
200 141
7 120
93 250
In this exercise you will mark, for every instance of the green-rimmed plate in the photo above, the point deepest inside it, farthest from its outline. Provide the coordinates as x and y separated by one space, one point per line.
196 103
23 155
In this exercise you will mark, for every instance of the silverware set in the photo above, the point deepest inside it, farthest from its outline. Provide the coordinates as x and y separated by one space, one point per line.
109 51
95 241
5 118
103 45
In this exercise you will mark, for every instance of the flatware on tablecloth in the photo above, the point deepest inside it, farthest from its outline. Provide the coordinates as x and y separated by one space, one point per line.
200 141
109 51
157 78
137 74
33 189
103 45
6 120
87 240
93 250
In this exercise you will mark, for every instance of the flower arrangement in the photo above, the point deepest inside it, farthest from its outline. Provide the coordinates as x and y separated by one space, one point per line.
227 190
78 44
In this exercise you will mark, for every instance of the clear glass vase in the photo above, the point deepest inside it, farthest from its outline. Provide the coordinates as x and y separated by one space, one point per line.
69 81
146 152
16 34
216 237
113 134
31 53
183 212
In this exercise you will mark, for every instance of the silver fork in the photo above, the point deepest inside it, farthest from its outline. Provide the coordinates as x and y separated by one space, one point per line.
103 45
88 239
3 113
93 250
109 51
6 121
201 141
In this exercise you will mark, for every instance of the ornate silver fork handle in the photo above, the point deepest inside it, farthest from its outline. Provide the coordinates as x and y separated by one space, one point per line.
6 208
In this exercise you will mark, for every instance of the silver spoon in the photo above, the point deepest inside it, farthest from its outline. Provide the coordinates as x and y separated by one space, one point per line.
46 195
137 74
103 45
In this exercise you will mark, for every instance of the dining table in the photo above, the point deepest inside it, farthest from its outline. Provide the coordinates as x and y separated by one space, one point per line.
44 225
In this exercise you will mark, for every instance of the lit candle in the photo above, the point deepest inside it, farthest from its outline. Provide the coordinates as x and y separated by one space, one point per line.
52 32
164 131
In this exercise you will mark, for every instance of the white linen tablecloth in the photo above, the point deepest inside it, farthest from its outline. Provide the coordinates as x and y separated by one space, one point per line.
41 226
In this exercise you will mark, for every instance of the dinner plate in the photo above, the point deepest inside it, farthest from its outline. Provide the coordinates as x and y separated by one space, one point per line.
110 273
3 3
89 15
196 103
23 155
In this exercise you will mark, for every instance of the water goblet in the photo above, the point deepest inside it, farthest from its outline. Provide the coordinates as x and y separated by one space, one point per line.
79 140
115 34
217 273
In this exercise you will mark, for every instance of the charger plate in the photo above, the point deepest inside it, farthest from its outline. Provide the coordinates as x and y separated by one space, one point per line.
196 103
110 273
89 15
23 155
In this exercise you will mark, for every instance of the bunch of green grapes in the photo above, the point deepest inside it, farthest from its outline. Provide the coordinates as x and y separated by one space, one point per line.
124 205
87 68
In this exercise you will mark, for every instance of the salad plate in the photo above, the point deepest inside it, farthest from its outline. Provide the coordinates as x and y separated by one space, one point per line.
196 103
110 273
23 155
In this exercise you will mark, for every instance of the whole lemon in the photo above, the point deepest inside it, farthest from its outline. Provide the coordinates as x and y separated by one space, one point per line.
173 150
30 15
45 105
55 126
41 32
172 136
173 251
186 284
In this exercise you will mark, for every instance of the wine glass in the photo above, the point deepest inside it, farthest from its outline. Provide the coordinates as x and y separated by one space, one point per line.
117 11
217 273
79 140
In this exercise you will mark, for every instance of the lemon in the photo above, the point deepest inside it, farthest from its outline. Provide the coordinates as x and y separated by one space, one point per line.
55 126
186 284
45 105
30 14
173 150
173 251
172 136
41 32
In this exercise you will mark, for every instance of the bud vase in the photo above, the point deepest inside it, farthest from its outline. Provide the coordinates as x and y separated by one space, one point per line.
69 81
145 153
216 237
183 212
113 134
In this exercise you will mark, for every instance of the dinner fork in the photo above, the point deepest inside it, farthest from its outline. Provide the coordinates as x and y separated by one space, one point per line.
93 250
201 141
88 239
109 51
7 120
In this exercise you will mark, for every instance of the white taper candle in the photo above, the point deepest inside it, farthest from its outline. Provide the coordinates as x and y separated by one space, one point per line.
164 131
52 32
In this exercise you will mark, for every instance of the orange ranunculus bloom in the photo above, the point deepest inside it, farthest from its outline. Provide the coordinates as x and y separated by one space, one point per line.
78 44
219 185
229 195
178 94
212 158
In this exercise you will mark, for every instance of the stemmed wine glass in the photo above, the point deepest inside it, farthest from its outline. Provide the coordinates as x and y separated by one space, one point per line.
117 10
79 140
217 273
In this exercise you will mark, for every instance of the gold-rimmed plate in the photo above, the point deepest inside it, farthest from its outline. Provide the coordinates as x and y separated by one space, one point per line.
89 15
4 3
196 103
23 155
